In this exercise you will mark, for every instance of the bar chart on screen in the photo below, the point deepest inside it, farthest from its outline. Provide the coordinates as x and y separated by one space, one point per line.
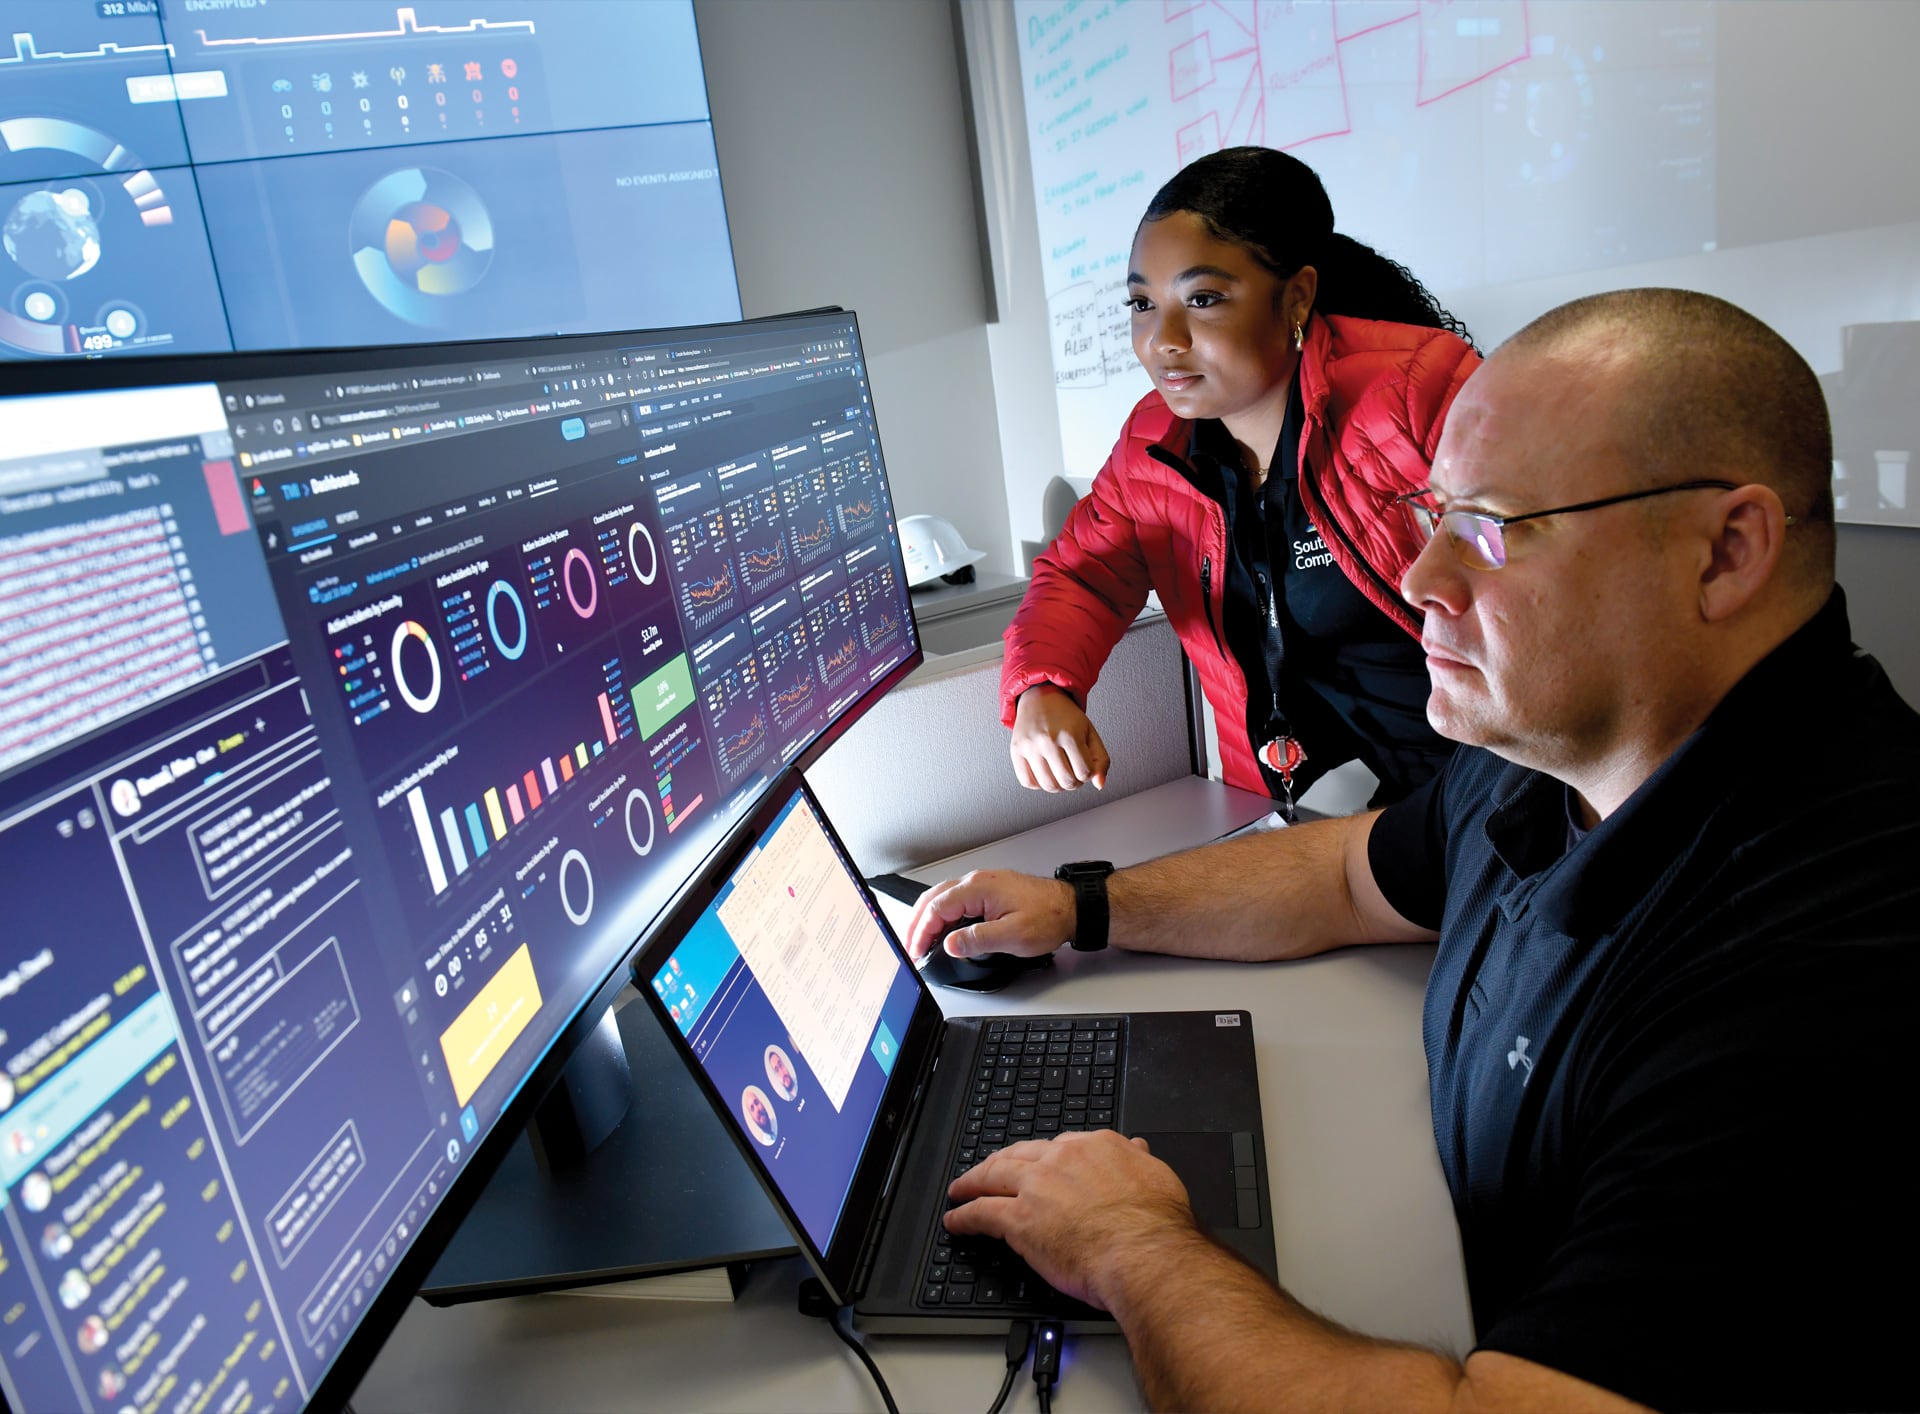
460 813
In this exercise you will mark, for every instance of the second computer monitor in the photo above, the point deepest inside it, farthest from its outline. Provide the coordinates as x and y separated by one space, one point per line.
359 712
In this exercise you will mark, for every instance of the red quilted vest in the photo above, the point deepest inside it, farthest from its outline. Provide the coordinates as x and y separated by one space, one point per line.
1375 395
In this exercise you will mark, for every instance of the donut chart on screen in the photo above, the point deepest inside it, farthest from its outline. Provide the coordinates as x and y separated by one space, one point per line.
635 534
422 702
500 590
646 810
578 556
420 238
578 912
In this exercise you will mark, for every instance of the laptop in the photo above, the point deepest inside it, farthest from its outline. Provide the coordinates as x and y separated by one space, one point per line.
855 1102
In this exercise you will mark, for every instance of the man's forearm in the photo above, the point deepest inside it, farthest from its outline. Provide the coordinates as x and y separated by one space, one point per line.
1282 894
1209 1332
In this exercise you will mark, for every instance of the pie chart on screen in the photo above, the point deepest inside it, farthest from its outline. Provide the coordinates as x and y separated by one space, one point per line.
421 238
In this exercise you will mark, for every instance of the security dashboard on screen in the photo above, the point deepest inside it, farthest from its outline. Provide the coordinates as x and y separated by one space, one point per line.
181 176
356 722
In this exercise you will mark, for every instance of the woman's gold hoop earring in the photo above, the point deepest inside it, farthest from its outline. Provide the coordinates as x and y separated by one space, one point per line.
1299 338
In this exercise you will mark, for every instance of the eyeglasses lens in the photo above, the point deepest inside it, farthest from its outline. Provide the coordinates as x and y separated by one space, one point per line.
1476 540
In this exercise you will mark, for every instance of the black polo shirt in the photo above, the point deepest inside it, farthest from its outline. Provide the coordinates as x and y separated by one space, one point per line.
1322 661
1674 1066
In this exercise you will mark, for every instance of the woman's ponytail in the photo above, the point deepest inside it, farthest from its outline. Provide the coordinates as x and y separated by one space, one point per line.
1274 205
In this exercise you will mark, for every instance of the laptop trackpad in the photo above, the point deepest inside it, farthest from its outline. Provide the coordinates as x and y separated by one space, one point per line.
1205 1164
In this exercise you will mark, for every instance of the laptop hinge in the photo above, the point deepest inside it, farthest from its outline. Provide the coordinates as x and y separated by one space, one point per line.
923 1086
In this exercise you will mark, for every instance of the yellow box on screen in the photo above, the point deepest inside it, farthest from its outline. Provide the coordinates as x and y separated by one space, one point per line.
481 1034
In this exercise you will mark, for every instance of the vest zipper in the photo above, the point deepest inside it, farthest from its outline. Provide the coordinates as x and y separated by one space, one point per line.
1206 599
1178 464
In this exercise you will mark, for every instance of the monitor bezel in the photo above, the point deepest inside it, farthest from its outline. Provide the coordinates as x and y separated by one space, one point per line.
104 373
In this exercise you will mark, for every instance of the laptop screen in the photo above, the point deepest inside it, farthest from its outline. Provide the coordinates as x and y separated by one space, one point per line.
795 1002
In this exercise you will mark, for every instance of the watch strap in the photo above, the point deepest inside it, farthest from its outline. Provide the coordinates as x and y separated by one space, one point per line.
1092 915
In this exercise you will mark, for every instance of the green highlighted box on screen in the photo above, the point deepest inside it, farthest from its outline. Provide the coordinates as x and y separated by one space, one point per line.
664 696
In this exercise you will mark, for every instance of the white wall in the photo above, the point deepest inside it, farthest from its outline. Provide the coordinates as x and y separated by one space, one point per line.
1029 415
843 150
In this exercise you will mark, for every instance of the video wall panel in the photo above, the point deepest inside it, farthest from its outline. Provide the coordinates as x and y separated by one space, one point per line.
184 175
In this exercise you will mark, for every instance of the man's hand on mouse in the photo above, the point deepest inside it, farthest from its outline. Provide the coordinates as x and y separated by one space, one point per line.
1079 1207
1020 914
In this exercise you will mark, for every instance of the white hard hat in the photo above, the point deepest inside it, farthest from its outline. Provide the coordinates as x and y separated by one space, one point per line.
935 550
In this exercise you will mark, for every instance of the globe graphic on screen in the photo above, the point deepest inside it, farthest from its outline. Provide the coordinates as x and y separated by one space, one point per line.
421 238
52 235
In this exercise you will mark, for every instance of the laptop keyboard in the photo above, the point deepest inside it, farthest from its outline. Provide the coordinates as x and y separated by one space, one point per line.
1036 1077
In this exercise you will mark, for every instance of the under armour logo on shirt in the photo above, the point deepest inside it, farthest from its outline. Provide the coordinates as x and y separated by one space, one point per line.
1518 1057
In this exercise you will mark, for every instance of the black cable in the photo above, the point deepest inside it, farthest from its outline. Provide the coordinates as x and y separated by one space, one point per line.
1019 1337
814 1301
1046 1361
886 1395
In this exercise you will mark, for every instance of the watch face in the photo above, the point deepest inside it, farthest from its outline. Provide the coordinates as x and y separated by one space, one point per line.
1084 869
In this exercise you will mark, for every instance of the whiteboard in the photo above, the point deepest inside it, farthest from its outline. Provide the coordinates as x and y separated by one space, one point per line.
1514 154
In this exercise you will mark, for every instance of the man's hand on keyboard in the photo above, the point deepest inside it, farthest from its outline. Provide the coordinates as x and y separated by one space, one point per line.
1021 914
1082 1209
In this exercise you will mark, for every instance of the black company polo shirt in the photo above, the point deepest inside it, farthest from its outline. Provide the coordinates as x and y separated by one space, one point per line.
1351 683
1675 1067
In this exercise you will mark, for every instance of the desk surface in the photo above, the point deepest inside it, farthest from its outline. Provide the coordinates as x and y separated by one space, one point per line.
1364 1228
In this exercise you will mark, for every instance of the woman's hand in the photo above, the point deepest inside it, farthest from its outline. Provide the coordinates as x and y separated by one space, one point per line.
1055 746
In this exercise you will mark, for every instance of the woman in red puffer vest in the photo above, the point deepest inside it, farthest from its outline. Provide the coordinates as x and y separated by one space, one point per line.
1300 383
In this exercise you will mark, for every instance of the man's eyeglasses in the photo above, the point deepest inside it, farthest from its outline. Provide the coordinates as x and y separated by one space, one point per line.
1479 537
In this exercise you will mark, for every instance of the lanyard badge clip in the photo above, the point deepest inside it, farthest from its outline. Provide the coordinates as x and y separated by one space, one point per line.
1283 756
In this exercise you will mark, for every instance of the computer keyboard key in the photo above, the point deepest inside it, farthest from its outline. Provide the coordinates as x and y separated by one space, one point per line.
989 1293
933 1295
959 1296
1079 1078
963 1272
936 1276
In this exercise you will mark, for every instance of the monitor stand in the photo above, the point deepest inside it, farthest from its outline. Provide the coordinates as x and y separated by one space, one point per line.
624 1172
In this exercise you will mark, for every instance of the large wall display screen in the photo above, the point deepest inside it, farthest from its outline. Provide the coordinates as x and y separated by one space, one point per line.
357 718
192 175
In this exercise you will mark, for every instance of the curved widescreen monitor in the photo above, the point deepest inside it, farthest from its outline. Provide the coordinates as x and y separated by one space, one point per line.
359 712
185 176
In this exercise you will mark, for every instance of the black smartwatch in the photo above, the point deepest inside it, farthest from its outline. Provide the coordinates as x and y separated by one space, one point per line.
1089 880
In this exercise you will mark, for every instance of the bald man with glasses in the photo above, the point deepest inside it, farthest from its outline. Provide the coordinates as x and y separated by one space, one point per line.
1675 882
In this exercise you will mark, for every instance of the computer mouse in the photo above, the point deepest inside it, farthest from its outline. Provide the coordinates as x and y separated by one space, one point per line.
987 972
